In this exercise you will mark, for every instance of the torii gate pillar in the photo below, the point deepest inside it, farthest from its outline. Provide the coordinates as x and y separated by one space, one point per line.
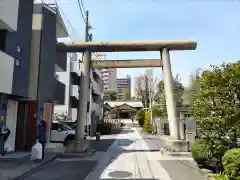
174 143
169 95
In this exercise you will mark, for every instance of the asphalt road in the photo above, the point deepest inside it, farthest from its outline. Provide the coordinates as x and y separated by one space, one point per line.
62 170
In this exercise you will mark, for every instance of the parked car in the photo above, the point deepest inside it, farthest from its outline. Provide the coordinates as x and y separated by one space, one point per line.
61 132
72 124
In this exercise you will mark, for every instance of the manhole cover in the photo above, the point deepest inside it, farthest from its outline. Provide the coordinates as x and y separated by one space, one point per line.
119 174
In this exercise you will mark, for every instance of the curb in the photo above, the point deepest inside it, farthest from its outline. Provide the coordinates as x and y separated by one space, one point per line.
34 169
89 153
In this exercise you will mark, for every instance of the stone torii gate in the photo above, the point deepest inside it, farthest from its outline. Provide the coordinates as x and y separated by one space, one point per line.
164 47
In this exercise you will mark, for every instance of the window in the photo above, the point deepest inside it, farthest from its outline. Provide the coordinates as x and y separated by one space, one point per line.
18 62
19 49
3 37
64 127
54 126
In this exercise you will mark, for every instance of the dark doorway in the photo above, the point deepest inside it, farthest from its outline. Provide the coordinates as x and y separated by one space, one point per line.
124 115
26 126
20 141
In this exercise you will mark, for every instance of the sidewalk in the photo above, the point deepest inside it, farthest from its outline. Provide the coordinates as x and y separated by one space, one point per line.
130 157
73 167
15 164
178 167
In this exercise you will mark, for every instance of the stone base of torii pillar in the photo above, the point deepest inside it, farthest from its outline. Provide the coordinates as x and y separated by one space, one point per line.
177 145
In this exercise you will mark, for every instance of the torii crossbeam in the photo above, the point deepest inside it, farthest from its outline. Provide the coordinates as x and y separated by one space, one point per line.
127 46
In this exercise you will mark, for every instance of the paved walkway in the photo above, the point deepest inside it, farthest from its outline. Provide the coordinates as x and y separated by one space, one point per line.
16 164
130 157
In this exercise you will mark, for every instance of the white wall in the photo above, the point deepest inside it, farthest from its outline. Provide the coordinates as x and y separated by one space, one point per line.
64 77
11 121
6 72
9 14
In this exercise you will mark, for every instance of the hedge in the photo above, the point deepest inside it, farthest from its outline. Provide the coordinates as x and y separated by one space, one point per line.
231 163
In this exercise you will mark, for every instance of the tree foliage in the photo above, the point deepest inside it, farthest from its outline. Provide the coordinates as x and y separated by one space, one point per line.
194 86
216 105
178 90
147 126
140 117
110 95
127 94
146 89
156 111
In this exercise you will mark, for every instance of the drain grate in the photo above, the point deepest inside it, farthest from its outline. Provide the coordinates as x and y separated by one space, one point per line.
120 174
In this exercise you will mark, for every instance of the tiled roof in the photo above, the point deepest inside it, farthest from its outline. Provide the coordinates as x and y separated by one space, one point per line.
119 103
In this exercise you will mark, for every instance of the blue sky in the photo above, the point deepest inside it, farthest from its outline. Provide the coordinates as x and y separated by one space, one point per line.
215 24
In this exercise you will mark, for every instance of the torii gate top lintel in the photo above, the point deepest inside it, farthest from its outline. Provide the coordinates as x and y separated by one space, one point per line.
127 46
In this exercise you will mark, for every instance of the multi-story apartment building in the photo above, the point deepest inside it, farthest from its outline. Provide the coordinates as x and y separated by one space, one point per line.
71 80
28 57
123 86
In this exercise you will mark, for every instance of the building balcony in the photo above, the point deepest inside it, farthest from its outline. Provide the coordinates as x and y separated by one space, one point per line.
74 91
96 83
61 30
75 78
6 72
61 62
59 93
75 73
97 72
9 14
73 102
97 108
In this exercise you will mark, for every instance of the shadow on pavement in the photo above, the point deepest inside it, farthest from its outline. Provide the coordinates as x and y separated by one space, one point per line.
111 157
119 149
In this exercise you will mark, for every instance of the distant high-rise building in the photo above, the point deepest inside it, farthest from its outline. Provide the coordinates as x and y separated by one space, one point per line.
109 77
123 85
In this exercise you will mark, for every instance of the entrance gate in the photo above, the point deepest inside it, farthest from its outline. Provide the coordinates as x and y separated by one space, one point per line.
164 47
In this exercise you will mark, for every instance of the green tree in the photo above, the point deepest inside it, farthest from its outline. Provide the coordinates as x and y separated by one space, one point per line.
140 117
127 94
147 126
178 90
156 111
216 105
194 86
110 95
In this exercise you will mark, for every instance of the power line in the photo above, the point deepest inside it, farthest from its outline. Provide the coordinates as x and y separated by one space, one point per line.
81 10
83 6
83 14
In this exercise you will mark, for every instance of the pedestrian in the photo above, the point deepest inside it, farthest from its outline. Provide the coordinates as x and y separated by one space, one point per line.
6 135
42 130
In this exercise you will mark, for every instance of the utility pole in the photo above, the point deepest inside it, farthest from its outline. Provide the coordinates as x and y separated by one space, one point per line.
83 90
150 88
